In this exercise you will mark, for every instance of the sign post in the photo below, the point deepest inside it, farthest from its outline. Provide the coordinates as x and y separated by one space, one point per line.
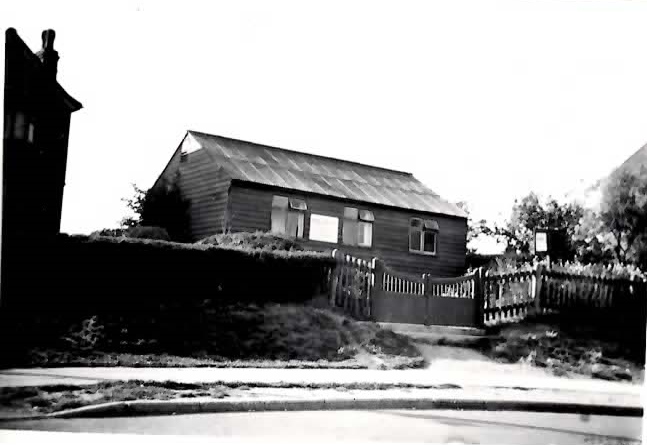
542 244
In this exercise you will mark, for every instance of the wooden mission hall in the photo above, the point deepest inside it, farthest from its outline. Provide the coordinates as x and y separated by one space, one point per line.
325 203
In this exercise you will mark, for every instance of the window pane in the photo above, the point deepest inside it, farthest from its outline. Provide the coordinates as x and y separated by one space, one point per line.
278 221
295 224
350 213
7 126
298 204
324 228
30 133
280 202
431 224
430 242
414 240
366 215
349 232
415 222
365 234
19 126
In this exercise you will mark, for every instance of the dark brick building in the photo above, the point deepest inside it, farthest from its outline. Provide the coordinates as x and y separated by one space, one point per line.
37 114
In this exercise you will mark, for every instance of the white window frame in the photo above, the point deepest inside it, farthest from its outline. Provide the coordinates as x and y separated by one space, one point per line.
291 207
426 226
354 219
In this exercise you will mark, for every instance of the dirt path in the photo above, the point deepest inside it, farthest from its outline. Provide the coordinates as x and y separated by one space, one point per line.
452 359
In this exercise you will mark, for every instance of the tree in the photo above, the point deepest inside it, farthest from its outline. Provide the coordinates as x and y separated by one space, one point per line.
592 241
162 206
530 213
624 215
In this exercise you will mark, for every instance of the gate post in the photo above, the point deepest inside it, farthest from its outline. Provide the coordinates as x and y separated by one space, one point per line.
334 277
377 277
425 280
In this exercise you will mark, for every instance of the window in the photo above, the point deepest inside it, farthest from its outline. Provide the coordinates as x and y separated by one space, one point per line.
324 228
423 236
288 216
30 133
358 227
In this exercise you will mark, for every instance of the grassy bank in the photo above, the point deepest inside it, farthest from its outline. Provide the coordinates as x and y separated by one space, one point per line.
563 351
274 335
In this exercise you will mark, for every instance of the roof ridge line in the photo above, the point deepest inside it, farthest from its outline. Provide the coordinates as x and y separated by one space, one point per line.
303 153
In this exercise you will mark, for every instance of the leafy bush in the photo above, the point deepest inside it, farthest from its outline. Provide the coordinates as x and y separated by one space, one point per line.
256 240
613 270
109 232
86 337
148 232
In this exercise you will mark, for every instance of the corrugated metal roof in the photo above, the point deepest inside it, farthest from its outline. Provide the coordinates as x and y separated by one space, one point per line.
318 174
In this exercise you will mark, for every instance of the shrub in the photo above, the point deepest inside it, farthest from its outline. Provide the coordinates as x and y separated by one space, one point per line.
86 337
148 232
613 270
117 233
256 240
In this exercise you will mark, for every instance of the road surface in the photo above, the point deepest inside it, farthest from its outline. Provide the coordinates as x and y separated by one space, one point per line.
362 426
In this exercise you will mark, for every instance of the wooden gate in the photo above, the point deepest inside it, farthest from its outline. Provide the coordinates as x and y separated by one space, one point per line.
401 298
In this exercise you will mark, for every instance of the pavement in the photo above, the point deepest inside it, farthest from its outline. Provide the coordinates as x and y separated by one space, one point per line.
501 376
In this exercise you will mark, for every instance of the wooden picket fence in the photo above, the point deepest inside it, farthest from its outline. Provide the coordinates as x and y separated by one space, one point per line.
368 289
511 297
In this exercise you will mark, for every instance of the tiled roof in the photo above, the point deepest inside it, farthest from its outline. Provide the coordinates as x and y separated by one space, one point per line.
318 174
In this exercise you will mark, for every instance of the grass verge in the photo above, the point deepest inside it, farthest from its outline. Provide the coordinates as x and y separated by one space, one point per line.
52 398
48 399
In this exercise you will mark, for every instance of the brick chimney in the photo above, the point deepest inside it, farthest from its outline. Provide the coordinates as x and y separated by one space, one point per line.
48 55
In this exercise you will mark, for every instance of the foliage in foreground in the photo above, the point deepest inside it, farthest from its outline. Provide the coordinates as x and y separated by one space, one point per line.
564 351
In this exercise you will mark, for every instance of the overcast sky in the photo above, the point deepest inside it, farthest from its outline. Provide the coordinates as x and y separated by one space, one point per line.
481 100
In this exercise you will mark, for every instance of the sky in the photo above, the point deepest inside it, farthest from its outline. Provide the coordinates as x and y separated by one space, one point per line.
483 101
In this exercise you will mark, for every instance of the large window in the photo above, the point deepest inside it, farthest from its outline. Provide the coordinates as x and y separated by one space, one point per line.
423 236
288 215
358 227
324 228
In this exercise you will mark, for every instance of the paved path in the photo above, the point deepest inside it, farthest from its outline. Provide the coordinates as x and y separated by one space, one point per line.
354 426
48 376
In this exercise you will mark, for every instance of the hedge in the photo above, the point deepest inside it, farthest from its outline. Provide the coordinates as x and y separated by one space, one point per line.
102 270
72 277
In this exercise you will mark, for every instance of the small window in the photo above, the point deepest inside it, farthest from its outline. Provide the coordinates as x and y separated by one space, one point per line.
358 227
324 228
30 133
288 216
184 156
19 126
423 236
298 204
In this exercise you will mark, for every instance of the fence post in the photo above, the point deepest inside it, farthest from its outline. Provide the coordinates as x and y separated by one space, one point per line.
427 296
479 297
334 277
539 269
376 288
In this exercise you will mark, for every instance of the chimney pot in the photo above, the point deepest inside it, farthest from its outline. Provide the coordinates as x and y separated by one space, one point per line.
48 55
48 39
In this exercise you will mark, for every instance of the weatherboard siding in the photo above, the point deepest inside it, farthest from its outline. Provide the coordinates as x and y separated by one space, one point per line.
251 209
205 186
